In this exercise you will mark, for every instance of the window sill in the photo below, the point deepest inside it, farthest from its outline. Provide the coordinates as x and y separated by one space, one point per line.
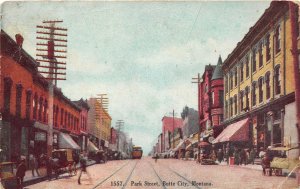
268 61
254 72
261 67
277 53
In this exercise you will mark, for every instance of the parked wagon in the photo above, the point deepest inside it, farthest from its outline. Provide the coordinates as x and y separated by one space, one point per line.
63 161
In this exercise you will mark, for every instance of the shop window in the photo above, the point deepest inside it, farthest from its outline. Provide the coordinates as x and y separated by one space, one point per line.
277 39
253 61
28 103
254 93
268 88
242 72
277 80
260 54
7 95
247 67
268 49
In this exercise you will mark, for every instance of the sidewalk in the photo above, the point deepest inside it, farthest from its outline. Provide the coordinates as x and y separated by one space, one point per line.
29 179
248 166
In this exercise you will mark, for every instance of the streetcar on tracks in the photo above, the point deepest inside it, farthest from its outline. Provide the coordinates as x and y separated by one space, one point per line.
137 152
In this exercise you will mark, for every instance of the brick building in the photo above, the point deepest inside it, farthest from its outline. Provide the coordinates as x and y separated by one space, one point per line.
168 126
25 107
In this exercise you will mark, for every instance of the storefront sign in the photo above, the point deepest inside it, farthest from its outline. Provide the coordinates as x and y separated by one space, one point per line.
40 136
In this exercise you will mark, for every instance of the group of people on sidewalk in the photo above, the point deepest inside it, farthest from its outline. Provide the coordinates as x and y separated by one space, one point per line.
49 163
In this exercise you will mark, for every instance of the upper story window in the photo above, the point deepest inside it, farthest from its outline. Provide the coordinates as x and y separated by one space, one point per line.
268 49
277 80
298 25
221 97
235 104
231 107
247 66
253 93
247 91
260 89
242 100
231 81
213 97
277 39
19 88
254 60
40 108
61 116
7 94
45 111
261 58
35 106
242 72
268 88
235 77
28 103
225 84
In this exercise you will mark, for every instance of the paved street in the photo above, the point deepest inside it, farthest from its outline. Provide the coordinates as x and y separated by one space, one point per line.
167 173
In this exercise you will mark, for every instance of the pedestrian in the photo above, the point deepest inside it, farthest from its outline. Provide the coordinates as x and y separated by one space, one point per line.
76 161
236 156
220 155
243 156
83 162
33 165
252 156
156 157
261 152
21 169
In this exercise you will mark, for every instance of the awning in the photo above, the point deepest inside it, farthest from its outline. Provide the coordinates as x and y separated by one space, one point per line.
91 147
202 144
238 131
179 146
66 141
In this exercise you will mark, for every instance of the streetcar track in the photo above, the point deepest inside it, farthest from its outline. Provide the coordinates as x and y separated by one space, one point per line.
130 175
161 182
182 177
111 175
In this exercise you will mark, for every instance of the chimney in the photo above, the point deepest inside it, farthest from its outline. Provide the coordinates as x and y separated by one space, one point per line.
19 39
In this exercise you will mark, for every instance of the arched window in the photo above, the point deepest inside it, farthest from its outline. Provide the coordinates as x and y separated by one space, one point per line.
260 89
277 80
253 93
268 88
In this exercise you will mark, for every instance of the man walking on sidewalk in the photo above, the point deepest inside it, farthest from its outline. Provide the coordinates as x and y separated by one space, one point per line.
33 165
83 162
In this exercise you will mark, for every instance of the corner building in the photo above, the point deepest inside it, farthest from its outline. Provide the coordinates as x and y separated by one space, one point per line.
259 84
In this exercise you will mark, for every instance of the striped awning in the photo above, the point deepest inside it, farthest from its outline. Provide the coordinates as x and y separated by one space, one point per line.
238 131
65 141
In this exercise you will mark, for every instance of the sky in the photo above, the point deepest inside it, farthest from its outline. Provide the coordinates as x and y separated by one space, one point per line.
143 55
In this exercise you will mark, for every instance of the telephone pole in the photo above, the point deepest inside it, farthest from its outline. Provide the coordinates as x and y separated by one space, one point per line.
52 41
197 80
